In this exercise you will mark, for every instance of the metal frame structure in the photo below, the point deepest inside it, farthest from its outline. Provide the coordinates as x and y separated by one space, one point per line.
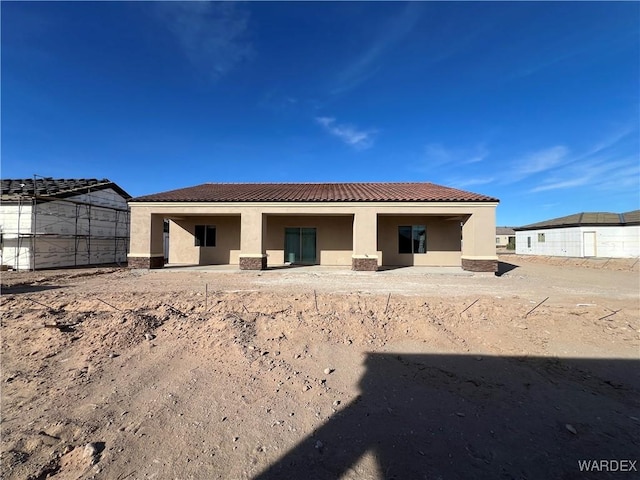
80 223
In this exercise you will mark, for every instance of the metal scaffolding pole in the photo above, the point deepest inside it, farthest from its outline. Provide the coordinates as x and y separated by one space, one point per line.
65 234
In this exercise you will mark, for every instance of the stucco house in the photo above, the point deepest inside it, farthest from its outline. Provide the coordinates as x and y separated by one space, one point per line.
359 225
505 236
587 234
53 223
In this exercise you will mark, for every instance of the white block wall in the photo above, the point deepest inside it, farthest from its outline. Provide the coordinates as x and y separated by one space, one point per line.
67 234
65 218
618 242
611 241
106 198
13 219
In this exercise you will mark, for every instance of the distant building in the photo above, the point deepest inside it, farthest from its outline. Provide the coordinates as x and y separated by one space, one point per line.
52 223
505 237
609 235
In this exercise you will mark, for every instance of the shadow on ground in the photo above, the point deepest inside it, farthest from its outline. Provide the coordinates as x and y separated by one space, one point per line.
384 268
285 266
24 288
461 416
504 267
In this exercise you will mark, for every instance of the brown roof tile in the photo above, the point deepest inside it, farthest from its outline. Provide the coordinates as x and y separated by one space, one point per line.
13 189
587 219
316 192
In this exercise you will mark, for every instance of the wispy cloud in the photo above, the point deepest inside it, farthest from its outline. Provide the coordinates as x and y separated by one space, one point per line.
565 169
212 34
539 161
566 45
469 182
478 156
367 64
608 164
436 155
349 134
557 185
601 174
609 142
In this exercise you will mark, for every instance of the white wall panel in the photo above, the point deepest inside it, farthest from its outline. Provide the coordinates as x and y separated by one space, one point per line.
611 241
14 218
617 242
67 232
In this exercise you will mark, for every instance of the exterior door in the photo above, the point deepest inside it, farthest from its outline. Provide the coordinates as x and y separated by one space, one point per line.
589 242
300 245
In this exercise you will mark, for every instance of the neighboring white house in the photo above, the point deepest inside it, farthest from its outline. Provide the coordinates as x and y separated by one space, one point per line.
609 235
52 223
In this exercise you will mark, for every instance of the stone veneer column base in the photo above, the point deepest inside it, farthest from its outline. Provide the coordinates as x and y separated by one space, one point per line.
364 264
253 262
477 265
145 262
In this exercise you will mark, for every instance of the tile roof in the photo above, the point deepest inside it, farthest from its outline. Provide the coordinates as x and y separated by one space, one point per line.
505 231
13 189
316 192
585 219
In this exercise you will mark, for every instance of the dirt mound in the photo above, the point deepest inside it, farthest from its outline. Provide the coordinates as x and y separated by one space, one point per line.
283 375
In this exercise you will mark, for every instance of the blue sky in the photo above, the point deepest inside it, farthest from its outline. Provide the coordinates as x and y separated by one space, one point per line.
536 103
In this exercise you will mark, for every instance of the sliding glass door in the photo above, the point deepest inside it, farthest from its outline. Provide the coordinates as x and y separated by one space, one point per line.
300 245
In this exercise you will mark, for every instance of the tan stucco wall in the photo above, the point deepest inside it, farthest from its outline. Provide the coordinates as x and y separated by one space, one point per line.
253 229
478 230
479 235
148 237
182 247
365 224
334 244
443 241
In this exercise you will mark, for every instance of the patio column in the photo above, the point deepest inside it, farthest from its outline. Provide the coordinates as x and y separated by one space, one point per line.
146 246
479 242
365 241
253 227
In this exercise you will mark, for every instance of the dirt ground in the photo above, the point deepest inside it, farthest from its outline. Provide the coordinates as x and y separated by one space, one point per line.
321 373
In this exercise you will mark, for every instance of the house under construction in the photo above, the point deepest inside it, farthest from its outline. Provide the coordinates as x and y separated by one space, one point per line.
53 223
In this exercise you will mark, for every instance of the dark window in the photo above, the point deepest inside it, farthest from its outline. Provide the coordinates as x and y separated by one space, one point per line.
528 242
412 239
205 236
404 240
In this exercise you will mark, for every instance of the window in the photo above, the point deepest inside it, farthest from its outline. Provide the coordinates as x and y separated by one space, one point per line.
205 236
528 242
412 239
541 237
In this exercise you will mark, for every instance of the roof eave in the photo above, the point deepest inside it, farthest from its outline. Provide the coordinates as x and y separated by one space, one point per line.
328 200
571 225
